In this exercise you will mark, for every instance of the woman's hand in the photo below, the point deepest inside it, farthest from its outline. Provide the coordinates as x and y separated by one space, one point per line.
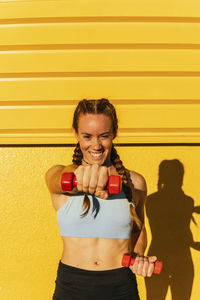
92 179
143 265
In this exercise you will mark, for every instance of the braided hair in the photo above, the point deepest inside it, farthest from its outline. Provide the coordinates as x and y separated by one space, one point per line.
103 106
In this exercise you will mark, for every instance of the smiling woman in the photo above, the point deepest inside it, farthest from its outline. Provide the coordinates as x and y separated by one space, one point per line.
95 138
103 226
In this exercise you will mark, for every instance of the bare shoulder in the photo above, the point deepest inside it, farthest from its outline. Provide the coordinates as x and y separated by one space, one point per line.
51 172
138 181
58 199
58 168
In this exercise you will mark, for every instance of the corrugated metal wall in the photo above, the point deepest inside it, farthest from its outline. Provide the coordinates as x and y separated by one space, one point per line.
144 56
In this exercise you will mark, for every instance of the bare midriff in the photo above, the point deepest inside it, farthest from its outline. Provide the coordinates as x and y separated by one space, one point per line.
93 253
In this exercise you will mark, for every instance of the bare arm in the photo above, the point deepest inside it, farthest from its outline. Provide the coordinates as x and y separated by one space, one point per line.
140 194
143 266
141 244
53 177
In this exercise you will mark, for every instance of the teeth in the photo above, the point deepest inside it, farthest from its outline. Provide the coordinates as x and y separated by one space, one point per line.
96 154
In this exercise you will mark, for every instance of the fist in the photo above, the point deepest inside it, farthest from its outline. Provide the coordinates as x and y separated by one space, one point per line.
143 265
92 179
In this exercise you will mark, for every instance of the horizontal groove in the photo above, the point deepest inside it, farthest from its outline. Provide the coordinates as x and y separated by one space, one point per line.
115 144
172 130
88 19
122 130
113 101
98 74
25 131
154 144
35 145
97 46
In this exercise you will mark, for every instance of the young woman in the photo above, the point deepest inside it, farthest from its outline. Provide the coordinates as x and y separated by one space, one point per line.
98 228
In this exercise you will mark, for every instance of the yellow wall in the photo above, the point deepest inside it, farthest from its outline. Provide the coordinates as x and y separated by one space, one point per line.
142 55
30 240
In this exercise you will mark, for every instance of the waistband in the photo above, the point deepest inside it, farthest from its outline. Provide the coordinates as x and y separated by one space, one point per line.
118 274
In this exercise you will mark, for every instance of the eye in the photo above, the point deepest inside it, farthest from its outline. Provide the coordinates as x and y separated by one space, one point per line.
105 136
86 136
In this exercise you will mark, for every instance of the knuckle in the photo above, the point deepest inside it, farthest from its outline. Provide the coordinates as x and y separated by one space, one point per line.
100 186
133 270
85 186
80 180
95 166
91 190
80 169
87 168
103 169
92 186
79 187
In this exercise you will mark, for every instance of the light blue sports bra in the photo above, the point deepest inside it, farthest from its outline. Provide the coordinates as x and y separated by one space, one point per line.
107 218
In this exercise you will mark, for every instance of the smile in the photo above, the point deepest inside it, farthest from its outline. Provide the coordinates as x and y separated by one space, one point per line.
96 154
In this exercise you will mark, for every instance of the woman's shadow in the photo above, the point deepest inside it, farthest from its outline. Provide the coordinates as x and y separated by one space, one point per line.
169 212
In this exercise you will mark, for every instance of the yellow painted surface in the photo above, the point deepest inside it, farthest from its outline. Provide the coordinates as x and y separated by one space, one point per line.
142 55
87 32
15 9
96 60
31 245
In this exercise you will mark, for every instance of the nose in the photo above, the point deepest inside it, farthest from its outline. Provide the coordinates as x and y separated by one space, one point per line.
97 144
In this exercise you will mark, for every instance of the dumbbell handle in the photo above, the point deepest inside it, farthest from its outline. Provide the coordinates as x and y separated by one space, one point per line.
127 260
69 181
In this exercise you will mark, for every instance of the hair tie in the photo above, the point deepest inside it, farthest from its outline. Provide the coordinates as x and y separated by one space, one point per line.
132 203
86 162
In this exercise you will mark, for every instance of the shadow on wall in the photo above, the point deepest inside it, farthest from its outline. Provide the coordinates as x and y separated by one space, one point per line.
169 212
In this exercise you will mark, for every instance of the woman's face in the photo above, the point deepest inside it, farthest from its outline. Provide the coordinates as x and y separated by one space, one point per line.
95 137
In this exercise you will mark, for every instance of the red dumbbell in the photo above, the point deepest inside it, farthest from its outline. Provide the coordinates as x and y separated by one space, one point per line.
127 260
69 181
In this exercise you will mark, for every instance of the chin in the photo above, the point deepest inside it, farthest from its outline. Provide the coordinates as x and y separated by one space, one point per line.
98 162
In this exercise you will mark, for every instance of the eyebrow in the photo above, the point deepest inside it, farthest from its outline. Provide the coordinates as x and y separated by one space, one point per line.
107 132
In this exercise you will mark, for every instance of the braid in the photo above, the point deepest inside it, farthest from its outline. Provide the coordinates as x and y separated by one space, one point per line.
128 189
77 156
77 160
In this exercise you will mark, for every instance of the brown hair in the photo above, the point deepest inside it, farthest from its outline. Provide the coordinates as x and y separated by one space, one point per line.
103 106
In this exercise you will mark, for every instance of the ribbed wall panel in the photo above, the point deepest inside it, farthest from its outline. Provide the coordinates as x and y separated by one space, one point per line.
89 8
58 123
144 58
112 61
119 32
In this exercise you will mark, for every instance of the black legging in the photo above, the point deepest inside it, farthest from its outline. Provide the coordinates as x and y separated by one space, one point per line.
78 284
